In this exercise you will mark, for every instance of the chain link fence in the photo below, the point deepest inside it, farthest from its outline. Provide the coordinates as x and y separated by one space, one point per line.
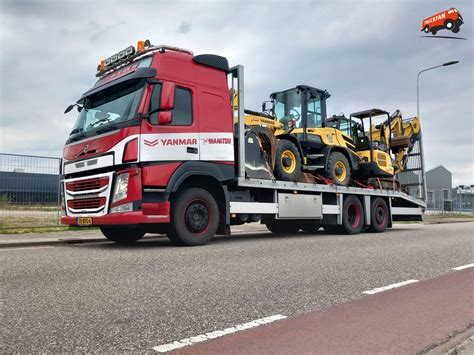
29 191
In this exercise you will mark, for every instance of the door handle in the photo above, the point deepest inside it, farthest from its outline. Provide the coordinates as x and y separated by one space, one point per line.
192 150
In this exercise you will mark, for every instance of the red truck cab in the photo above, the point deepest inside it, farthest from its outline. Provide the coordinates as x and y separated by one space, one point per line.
449 19
144 129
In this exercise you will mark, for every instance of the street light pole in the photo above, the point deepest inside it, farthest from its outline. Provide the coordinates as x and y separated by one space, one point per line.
418 116
418 83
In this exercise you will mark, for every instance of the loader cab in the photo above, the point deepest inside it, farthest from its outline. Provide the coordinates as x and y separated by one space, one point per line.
300 107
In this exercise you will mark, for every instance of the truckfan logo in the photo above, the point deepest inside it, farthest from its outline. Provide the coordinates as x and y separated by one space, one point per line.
449 19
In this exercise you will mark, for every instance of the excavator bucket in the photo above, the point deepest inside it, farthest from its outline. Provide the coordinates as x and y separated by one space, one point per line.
260 151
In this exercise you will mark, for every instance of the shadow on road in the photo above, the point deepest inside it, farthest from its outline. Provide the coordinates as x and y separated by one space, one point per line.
161 241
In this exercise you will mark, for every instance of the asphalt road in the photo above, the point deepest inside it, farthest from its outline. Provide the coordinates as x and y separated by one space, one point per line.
104 297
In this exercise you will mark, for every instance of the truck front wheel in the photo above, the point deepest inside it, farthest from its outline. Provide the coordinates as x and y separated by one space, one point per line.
194 217
122 235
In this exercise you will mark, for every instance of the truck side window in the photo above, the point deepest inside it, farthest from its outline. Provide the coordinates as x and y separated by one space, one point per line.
155 103
183 108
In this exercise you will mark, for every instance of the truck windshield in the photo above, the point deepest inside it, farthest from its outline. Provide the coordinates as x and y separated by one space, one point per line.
117 104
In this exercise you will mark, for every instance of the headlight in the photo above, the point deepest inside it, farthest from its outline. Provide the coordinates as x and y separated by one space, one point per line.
121 187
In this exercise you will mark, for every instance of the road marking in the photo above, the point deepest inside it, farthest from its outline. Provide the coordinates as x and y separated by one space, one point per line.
385 288
463 267
216 334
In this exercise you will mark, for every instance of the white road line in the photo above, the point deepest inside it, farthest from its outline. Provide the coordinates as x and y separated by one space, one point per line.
385 288
216 334
463 267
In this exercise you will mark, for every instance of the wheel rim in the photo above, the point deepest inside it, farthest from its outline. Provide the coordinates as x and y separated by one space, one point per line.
353 215
380 215
340 171
288 161
197 217
449 25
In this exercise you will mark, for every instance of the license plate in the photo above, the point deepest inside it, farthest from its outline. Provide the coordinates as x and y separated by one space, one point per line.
84 221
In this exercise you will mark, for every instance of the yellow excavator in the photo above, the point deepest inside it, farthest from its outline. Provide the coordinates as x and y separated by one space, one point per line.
297 138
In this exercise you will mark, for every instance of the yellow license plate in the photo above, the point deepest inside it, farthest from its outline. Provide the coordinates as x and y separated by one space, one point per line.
84 221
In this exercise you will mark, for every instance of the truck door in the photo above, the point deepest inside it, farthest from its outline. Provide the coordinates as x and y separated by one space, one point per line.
216 126
177 140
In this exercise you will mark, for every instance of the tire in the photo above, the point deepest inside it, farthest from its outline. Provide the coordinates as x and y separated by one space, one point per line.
449 24
426 29
283 227
433 31
455 29
122 235
379 215
352 215
311 228
287 161
338 169
194 217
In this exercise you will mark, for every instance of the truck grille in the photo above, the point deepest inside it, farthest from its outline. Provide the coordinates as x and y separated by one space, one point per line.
85 185
86 203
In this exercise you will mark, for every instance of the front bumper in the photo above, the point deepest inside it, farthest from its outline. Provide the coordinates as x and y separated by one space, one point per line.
126 218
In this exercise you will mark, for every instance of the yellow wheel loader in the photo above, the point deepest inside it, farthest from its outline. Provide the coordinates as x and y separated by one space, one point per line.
303 143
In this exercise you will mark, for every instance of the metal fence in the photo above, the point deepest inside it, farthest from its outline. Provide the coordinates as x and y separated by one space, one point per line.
29 191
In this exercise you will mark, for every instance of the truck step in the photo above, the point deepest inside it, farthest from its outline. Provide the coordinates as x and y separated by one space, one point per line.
314 156
313 167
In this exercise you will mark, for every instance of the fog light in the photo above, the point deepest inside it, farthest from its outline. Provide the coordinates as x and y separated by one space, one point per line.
126 207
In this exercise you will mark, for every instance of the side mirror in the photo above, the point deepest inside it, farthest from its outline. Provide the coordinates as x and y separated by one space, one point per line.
165 117
69 108
167 96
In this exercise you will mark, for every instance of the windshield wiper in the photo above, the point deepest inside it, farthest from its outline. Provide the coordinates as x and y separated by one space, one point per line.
99 121
75 131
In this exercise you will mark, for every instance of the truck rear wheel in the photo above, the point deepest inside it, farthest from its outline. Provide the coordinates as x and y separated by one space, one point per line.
338 169
379 215
122 235
194 217
287 161
352 216
283 227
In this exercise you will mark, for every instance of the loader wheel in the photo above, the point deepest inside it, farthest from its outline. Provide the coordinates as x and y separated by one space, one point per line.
379 215
194 217
338 169
283 227
287 161
122 235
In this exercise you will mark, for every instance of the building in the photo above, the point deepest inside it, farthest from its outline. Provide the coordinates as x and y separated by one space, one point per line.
463 198
439 185
29 188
